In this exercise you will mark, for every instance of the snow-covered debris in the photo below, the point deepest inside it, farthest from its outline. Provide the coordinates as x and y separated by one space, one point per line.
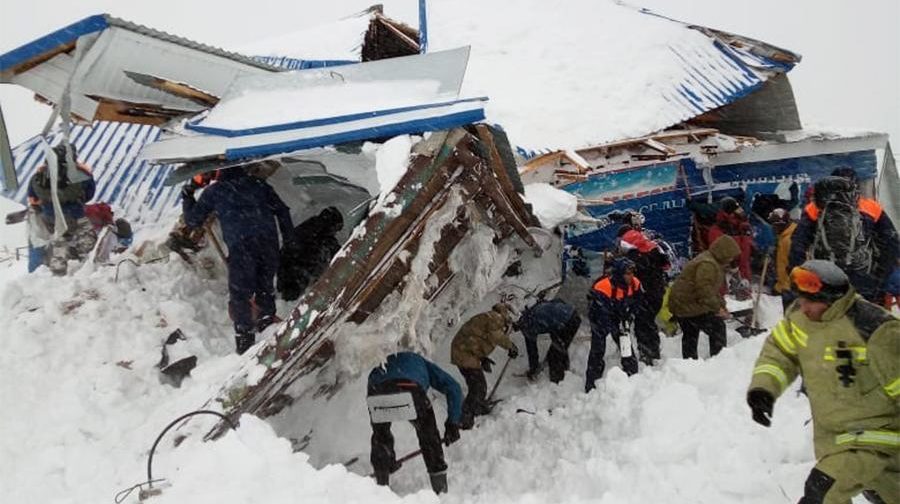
551 205
391 162
337 40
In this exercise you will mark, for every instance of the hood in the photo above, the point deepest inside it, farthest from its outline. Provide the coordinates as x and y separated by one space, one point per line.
636 240
724 249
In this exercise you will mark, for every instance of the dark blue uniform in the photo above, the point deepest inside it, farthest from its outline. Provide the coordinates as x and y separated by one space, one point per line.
410 372
247 208
558 319
613 303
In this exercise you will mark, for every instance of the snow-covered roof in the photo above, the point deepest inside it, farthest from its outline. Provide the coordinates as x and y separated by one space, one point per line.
337 40
557 82
106 63
289 111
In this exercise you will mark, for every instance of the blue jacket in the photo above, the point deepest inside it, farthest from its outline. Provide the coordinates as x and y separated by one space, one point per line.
545 317
246 206
413 367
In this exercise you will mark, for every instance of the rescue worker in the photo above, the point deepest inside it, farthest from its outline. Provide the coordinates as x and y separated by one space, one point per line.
611 311
309 253
470 351
650 266
847 352
732 221
247 208
865 245
695 298
556 318
398 391
80 236
784 227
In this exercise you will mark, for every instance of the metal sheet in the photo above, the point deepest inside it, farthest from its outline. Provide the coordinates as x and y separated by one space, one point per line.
132 186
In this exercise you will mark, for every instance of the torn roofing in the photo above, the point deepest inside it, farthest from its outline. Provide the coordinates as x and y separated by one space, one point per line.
59 41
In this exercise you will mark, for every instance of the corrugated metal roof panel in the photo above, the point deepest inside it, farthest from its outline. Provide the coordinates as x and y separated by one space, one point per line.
100 22
51 41
132 186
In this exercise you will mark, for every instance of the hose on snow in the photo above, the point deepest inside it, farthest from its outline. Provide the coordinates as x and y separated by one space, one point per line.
122 495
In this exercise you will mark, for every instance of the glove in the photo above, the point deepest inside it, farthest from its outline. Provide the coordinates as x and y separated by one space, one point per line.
451 432
486 364
513 352
761 402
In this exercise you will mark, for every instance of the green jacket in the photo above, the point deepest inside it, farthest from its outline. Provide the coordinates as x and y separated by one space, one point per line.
850 364
478 337
696 291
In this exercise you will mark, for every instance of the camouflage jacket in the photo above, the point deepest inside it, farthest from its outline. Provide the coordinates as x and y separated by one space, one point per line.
478 337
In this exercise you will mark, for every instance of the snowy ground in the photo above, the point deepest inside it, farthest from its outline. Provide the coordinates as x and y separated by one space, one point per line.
78 365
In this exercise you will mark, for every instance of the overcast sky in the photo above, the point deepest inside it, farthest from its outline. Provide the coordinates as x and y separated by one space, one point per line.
849 77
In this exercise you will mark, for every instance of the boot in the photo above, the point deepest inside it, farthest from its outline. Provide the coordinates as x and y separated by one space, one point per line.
438 482
243 341
382 478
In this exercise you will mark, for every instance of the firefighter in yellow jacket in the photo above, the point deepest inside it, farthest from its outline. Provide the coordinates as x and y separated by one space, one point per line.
847 352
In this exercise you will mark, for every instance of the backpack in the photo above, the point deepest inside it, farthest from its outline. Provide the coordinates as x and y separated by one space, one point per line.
839 235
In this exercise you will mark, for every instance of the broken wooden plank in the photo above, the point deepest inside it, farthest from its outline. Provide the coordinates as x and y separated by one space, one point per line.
178 89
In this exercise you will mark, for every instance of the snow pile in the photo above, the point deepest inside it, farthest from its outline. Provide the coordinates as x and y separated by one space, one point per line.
252 464
79 370
552 206
391 163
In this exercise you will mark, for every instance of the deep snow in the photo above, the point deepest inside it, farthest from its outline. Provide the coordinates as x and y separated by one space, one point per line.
79 368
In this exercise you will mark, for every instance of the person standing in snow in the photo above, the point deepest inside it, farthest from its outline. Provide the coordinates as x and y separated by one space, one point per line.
784 228
695 298
80 237
247 208
853 232
613 304
470 351
732 221
398 391
847 351
556 318
650 266
308 254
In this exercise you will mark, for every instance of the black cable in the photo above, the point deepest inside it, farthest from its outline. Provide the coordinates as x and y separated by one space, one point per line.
172 424
121 496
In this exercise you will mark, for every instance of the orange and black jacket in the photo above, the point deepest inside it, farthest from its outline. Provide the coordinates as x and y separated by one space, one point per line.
875 223
612 303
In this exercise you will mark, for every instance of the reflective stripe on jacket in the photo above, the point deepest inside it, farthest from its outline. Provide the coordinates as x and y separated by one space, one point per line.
852 382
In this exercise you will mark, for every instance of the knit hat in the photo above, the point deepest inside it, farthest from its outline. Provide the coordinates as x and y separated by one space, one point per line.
728 204
617 270
819 280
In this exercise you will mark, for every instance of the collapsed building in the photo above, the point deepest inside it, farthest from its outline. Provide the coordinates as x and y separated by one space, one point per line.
708 113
